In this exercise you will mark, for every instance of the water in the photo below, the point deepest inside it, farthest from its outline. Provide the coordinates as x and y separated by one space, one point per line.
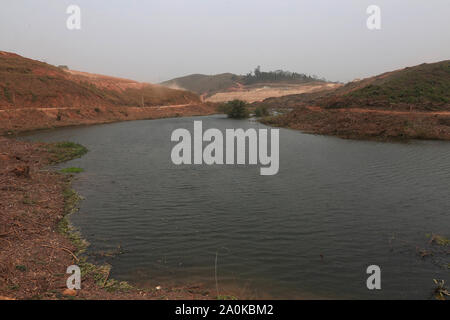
356 203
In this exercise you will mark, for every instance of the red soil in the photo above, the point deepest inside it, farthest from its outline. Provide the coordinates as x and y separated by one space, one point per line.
358 123
36 95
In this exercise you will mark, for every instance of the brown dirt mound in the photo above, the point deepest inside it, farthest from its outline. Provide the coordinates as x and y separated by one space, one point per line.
13 121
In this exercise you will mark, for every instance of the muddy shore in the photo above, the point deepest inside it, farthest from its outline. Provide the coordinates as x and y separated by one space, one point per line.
13 121
36 242
366 124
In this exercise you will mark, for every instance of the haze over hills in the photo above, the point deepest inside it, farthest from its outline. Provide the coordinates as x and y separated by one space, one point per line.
252 87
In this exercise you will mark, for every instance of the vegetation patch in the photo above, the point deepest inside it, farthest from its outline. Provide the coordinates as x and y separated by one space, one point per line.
439 240
421 84
236 109
261 111
425 87
226 297
100 273
259 76
441 291
72 170
65 151
21 268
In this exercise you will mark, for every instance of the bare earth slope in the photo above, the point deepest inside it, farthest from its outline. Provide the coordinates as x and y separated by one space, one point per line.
227 86
35 95
256 93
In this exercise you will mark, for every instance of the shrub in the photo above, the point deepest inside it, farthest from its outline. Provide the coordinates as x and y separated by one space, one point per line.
64 151
235 109
261 111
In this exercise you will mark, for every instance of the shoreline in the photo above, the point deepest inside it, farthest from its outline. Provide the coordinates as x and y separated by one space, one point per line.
29 120
37 242
365 124
43 274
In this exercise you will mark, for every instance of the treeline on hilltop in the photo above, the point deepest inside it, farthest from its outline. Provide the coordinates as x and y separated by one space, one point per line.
258 76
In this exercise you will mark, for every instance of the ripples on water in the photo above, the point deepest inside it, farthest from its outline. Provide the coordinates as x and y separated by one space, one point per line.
337 198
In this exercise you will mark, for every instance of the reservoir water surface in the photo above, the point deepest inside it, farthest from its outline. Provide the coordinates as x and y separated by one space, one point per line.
335 207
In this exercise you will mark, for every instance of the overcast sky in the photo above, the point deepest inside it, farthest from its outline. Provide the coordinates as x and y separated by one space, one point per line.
155 40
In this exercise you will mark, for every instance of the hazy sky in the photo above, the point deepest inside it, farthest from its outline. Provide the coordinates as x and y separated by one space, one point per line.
155 40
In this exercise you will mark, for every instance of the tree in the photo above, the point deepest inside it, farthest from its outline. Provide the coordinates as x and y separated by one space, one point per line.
236 109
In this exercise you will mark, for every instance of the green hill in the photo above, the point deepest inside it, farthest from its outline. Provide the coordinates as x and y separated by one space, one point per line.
424 87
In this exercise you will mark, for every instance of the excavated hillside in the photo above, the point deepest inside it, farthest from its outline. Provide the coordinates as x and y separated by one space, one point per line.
251 88
35 94
30 83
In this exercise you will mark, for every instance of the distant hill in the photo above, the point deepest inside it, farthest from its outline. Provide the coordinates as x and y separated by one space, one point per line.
208 85
425 87
30 83
204 84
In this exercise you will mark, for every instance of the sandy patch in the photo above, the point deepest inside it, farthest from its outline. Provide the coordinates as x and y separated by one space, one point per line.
259 94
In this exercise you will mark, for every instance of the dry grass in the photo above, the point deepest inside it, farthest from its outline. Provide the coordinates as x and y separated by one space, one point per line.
263 92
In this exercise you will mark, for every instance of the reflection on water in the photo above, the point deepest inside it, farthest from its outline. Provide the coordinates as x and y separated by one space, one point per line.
335 207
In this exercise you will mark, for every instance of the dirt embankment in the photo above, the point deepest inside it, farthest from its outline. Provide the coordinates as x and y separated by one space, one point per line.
26 119
357 123
35 249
